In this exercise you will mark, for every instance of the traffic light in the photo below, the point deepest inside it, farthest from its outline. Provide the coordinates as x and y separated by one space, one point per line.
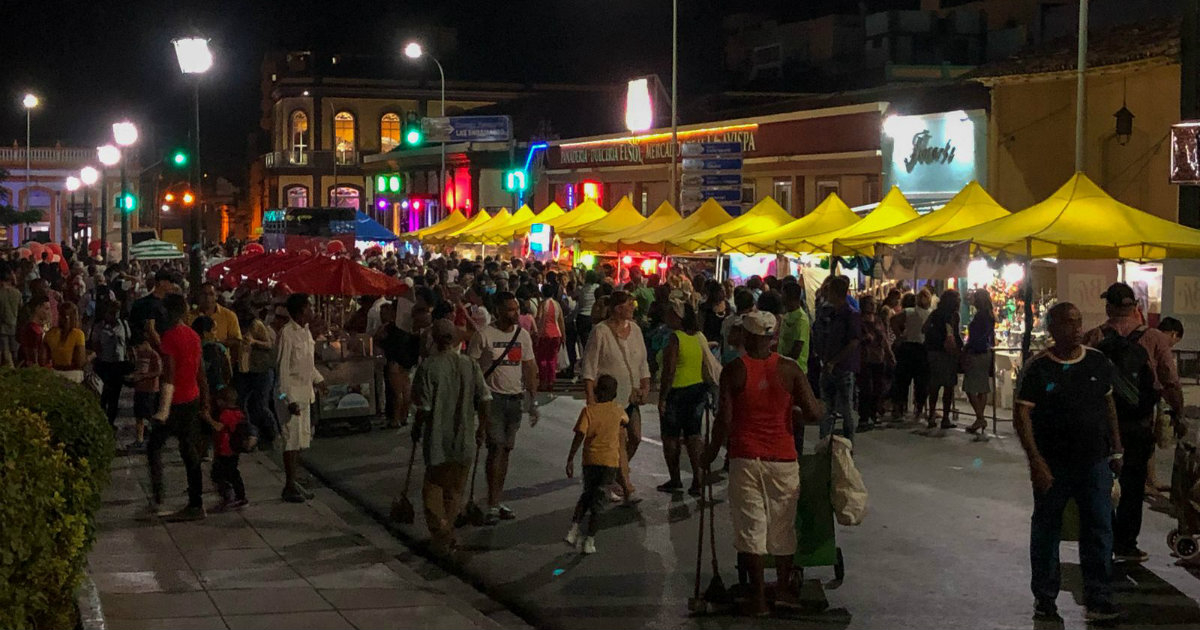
188 198
128 202
179 158
413 135
514 181
169 197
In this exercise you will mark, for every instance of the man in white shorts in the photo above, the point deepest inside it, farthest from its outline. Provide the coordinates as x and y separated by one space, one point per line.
298 375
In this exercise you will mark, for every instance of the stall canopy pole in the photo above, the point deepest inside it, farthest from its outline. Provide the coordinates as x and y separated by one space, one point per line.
1027 337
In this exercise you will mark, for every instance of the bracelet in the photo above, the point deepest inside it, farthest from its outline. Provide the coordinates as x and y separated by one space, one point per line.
1116 456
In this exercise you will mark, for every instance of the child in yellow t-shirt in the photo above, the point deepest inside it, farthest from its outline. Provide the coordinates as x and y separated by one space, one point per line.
599 431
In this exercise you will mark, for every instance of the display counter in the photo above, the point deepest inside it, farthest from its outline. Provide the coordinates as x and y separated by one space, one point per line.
353 380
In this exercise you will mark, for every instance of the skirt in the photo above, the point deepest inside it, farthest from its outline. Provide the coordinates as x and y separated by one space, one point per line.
977 379
943 370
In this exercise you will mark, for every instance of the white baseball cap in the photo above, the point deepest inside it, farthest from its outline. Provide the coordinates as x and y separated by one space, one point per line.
759 323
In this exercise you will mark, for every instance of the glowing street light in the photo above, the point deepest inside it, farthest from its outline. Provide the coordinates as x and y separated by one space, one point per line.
73 183
108 155
414 51
125 133
195 58
29 102
89 175
193 55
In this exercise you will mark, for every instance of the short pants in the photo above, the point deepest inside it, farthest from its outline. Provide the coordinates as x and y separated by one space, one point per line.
762 499
504 420
145 404
685 411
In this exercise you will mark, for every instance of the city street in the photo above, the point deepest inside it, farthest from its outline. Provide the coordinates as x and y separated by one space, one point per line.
944 544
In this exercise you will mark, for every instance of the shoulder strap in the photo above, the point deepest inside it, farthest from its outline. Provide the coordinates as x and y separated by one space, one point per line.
1137 334
496 361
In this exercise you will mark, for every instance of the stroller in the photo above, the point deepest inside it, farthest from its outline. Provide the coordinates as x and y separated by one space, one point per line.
1184 540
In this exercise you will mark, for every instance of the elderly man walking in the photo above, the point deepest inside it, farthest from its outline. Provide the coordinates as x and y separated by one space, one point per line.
758 393
450 393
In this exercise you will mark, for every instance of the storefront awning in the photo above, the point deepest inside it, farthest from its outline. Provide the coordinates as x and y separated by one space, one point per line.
583 214
452 221
970 207
622 217
710 214
664 216
472 235
831 214
1081 221
368 229
765 215
893 210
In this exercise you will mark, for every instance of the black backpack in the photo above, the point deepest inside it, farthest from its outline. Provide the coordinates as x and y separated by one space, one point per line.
1134 393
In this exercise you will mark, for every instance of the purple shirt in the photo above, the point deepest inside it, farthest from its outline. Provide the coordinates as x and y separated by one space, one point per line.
981 334
835 329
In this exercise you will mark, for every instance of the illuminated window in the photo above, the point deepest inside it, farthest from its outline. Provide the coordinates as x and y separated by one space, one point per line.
297 196
389 132
343 137
345 197
298 134
782 191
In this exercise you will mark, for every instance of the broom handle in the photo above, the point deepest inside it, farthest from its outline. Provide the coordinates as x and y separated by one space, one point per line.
412 457
700 553
474 475
712 530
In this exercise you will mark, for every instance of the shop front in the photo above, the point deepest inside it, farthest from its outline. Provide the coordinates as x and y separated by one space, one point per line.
796 158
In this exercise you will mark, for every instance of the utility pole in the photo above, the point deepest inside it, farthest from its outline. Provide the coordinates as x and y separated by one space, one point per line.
1081 87
1189 99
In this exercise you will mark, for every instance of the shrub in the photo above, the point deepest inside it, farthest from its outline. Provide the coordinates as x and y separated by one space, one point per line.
43 530
75 419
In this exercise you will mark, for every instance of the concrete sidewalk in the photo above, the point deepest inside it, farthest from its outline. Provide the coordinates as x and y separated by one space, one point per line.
271 565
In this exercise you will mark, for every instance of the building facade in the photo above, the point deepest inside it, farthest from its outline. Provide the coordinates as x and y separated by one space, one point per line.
73 217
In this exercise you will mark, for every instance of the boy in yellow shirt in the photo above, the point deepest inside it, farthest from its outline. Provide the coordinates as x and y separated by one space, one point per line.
599 431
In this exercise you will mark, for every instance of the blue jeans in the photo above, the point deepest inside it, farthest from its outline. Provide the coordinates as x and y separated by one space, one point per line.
1091 487
837 393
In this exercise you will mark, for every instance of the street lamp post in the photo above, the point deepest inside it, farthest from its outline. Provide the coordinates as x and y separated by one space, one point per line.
674 103
88 175
72 184
109 156
195 58
30 102
125 133
414 51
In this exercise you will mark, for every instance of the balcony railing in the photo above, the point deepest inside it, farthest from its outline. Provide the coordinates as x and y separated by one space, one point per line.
315 159
47 155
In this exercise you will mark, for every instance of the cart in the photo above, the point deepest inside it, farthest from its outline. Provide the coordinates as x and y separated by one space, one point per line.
1184 539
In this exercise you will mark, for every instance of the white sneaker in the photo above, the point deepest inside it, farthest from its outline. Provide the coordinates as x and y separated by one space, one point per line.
589 545
573 535
152 511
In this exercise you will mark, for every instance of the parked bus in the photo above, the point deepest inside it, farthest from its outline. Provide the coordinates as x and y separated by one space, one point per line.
296 229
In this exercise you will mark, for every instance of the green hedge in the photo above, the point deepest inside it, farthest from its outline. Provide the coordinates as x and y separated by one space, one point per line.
43 535
56 447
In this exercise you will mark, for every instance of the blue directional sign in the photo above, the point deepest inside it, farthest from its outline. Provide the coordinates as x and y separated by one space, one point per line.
712 164
711 181
467 129
703 149
718 194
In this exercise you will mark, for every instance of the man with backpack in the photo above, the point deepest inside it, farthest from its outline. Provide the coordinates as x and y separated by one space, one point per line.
1146 372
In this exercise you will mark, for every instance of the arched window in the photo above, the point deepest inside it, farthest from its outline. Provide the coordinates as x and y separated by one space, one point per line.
298 137
345 197
343 137
296 196
389 132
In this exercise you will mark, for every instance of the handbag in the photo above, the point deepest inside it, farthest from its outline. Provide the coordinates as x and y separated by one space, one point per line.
710 366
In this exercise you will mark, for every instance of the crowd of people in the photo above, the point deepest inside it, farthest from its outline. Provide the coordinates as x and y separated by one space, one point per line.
471 343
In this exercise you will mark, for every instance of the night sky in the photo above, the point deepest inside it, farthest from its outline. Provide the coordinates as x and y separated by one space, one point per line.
95 62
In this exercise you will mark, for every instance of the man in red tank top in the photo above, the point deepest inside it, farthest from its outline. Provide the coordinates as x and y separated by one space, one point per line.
764 475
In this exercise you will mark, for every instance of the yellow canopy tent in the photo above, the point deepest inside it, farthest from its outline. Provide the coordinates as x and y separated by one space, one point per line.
622 217
764 216
664 216
520 222
448 236
1080 221
970 207
831 214
583 214
892 211
471 236
452 221
710 214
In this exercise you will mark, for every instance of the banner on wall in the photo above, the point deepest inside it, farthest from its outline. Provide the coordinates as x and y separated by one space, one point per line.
923 260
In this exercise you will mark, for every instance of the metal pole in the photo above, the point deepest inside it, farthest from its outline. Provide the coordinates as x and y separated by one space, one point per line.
104 215
28 146
194 271
1080 91
71 220
124 214
199 207
442 173
675 103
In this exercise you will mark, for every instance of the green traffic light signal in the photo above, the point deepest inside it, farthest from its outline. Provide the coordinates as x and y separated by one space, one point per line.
179 158
129 202
412 137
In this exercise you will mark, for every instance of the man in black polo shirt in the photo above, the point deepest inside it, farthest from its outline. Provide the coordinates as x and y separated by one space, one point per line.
1067 423
150 308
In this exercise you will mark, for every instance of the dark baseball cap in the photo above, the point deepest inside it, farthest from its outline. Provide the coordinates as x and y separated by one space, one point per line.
1119 294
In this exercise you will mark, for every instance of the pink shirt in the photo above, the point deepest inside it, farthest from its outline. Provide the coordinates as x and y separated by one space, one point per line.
1156 343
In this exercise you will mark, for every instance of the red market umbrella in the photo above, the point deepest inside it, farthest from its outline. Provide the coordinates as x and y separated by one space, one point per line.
219 271
271 265
340 276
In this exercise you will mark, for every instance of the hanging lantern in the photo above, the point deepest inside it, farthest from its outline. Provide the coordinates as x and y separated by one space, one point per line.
1124 125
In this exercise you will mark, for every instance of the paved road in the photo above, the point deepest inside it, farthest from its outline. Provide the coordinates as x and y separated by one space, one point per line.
944 544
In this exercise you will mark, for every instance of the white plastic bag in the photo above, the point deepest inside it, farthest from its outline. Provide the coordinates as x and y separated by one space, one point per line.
849 491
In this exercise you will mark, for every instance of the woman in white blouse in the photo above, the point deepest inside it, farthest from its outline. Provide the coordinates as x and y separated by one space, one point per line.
615 347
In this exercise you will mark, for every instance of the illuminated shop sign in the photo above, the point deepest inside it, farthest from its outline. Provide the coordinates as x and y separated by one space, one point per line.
935 153
653 147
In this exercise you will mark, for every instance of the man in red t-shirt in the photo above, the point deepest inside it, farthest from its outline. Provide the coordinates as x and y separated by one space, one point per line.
764 474
183 405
